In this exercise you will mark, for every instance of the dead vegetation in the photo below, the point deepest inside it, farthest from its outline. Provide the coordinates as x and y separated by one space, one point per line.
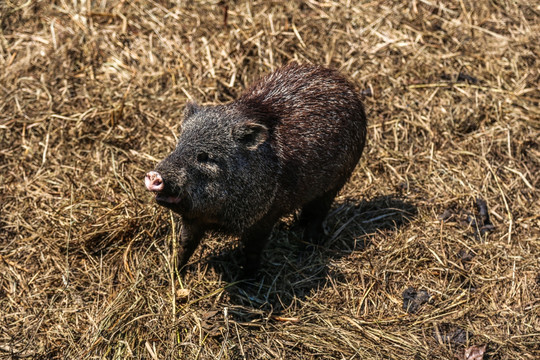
443 208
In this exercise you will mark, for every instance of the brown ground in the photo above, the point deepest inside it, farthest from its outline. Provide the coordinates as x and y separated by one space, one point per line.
91 96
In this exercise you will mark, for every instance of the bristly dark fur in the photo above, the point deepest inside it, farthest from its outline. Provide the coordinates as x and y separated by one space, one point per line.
290 141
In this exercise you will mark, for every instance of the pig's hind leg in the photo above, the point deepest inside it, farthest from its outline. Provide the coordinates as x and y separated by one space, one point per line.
313 214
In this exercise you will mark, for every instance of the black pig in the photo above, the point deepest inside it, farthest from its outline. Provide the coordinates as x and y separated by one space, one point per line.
290 141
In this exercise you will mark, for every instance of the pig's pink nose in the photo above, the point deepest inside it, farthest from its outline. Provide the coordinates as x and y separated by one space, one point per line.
153 181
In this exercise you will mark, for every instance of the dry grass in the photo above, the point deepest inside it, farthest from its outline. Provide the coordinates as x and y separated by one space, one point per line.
91 94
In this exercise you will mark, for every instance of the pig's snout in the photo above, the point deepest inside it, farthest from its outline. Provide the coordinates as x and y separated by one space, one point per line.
153 181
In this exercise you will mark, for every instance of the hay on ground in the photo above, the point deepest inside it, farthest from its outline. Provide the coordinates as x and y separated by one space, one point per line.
444 203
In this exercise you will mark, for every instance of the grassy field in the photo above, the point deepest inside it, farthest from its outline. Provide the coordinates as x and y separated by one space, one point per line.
431 248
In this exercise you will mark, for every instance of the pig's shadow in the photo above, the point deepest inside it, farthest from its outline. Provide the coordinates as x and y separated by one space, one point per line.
290 272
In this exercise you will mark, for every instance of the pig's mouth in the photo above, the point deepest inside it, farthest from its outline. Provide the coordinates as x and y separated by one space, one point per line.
177 203
163 199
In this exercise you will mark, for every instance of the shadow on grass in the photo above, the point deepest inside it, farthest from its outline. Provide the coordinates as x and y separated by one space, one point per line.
290 270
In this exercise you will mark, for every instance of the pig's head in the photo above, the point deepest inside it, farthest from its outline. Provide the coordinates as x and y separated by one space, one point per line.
222 169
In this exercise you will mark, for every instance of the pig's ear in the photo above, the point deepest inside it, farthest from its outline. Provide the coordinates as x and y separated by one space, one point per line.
191 109
251 134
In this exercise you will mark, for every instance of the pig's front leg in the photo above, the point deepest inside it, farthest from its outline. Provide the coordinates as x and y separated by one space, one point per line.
190 237
254 240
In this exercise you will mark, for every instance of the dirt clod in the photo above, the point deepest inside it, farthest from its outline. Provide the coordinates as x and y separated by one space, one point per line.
413 299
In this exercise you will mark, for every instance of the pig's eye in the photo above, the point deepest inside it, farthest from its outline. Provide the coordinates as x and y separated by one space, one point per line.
202 157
